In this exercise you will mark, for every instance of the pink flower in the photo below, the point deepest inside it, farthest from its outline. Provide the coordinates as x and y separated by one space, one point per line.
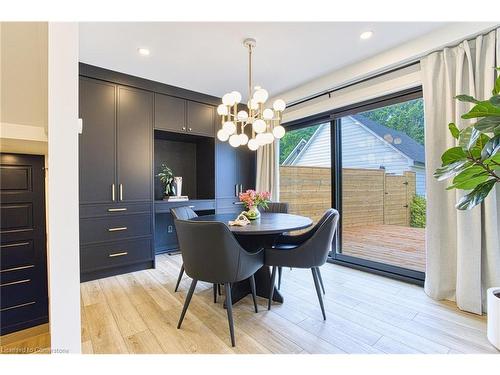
251 198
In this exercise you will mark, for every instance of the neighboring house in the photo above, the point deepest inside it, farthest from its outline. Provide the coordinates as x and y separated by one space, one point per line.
365 144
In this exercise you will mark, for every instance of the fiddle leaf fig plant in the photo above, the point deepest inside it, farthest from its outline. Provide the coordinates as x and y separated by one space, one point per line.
167 178
474 163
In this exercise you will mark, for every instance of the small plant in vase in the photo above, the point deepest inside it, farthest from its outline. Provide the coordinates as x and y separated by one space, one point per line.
252 201
166 176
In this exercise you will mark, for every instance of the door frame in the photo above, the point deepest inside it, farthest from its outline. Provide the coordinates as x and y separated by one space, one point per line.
334 117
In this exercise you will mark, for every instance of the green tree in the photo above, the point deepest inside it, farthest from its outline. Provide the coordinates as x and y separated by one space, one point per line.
407 117
292 139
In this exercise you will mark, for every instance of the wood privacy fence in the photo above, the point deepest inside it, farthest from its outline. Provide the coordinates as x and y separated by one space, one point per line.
369 196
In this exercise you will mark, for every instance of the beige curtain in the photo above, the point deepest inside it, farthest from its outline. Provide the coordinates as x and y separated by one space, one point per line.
268 170
463 247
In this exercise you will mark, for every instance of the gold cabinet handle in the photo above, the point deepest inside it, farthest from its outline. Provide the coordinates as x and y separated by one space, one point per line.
113 198
117 209
16 282
118 229
121 192
118 254
17 306
17 268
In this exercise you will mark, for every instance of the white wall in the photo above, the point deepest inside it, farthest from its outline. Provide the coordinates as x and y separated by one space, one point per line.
23 87
63 231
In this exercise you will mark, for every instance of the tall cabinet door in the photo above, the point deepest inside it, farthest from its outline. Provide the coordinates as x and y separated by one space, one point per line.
226 177
97 141
134 142
246 168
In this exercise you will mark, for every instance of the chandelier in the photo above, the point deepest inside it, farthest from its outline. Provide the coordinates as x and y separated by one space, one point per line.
265 122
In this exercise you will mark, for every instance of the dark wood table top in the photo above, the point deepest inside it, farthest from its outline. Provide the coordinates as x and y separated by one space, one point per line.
268 223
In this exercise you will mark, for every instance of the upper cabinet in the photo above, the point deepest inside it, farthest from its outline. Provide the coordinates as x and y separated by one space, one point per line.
183 116
200 118
170 113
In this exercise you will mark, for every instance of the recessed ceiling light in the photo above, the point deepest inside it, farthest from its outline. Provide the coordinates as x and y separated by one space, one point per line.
143 51
366 35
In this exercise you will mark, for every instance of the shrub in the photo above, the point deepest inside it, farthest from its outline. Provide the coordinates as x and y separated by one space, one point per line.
417 212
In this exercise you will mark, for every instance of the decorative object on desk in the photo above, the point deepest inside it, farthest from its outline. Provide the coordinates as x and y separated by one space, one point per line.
167 178
474 163
178 186
252 201
240 221
265 122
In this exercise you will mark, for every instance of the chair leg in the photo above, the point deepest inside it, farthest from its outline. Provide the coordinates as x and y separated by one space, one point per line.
318 291
179 278
271 287
218 290
320 280
254 295
280 271
229 306
215 293
186 302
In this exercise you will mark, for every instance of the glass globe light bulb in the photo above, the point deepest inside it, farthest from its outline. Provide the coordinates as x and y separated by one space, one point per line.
234 140
222 110
261 139
243 139
227 99
252 104
279 105
260 95
229 127
253 144
279 131
259 126
236 96
269 138
222 135
242 115
268 114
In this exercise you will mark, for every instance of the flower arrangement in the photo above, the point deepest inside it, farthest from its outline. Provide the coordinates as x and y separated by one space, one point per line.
252 200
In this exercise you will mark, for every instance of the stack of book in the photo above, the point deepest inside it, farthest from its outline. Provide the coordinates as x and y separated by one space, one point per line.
175 198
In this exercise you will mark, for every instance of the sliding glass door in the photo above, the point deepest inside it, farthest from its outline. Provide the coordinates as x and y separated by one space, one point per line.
367 161
381 186
305 170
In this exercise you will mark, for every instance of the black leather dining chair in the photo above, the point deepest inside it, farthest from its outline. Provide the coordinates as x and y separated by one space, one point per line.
307 250
182 213
277 208
224 261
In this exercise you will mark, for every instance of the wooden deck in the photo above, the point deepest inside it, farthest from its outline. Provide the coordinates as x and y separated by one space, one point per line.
391 244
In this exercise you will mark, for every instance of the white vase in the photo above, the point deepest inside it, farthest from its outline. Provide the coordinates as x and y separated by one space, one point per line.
178 186
493 300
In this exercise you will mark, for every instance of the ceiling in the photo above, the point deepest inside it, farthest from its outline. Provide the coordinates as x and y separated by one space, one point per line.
210 58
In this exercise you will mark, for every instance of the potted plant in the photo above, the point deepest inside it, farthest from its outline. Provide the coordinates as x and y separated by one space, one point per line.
252 201
493 297
474 165
166 176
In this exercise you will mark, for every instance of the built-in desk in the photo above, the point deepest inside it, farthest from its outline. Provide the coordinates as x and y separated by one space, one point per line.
165 236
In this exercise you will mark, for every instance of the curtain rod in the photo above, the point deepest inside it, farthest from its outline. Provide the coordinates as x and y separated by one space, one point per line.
356 82
414 61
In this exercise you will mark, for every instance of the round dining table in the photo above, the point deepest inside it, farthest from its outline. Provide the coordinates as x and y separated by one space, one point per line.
260 233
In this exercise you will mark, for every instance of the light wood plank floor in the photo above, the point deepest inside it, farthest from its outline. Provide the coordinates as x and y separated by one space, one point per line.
138 313
391 244
34 340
